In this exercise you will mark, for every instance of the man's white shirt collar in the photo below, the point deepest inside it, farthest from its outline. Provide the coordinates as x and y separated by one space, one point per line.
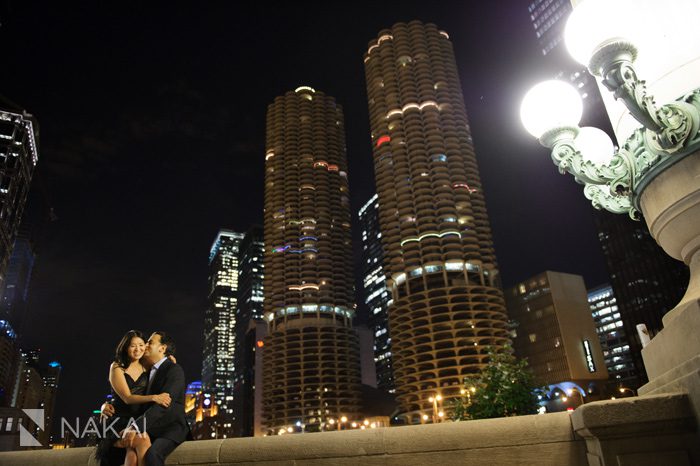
157 365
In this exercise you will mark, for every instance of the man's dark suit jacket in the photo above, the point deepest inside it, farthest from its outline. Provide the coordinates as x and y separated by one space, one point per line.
168 422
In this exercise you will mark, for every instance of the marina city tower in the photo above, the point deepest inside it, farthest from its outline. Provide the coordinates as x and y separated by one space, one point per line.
447 305
311 354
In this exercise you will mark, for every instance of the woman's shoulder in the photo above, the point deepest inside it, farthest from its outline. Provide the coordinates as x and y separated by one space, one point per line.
116 366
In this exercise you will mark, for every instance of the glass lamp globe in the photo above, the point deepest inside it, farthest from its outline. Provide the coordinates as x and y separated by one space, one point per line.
548 105
595 145
595 22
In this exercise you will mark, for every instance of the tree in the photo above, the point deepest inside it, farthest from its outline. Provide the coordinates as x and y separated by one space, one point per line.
505 387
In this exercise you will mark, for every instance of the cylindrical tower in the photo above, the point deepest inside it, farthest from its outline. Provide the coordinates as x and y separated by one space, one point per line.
311 355
441 268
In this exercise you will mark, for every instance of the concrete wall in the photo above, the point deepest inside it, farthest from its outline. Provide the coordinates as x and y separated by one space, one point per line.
526 440
640 431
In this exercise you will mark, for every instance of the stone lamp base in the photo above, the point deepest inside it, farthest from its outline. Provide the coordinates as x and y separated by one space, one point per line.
671 206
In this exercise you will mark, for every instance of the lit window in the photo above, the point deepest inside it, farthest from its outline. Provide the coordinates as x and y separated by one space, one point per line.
382 140
404 60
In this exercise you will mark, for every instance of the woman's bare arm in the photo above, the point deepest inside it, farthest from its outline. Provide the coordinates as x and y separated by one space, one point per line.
118 381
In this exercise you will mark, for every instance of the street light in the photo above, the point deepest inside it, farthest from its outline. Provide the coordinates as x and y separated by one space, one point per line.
656 168
625 389
434 400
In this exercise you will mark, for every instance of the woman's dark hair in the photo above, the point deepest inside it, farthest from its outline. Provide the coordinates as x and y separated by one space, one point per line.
121 355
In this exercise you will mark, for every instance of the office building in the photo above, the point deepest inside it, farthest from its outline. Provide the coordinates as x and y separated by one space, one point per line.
51 377
311 356
251 274
220 322
15 289
556 333
613 338
376 297
440 266
18 158
646 281
9 363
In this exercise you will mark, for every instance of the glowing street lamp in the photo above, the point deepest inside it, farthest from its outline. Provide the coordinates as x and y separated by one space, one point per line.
434 400
668 133
642 52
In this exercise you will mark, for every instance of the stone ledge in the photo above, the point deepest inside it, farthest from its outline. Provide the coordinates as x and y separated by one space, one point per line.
635 415
526 440
640 431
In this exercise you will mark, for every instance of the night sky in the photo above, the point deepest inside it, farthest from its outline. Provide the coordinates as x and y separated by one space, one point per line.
152 129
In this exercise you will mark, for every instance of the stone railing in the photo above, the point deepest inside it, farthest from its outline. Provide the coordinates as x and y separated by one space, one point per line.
657 430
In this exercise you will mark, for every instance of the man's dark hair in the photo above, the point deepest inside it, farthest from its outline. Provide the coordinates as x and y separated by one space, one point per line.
167 340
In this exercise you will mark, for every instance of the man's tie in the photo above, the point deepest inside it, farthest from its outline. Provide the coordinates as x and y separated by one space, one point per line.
151 376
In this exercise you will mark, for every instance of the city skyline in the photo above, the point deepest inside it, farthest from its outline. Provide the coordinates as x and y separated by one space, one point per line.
90 164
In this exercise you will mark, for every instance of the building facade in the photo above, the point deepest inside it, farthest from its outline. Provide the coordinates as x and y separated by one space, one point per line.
311 357
556 333
439 261
9 363
646 281
18 158
220 323
249 313
376 297
51 377
613 338
15 290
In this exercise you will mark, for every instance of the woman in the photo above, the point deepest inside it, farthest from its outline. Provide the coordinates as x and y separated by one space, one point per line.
129 380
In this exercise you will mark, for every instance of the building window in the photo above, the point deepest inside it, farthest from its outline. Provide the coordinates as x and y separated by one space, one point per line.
533 337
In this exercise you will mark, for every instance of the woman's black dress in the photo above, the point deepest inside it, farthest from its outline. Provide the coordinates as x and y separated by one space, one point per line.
123 413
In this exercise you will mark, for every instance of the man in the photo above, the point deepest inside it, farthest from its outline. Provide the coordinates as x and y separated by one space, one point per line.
166 427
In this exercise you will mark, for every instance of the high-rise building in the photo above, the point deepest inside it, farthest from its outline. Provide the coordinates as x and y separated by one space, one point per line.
311 357
9 363
15 289
376 297
646 281
251 274
50 376
18 158
220 322
613 339
29 393
556 333
439 259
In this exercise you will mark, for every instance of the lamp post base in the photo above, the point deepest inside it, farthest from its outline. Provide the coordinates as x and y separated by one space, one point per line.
670 203
672 358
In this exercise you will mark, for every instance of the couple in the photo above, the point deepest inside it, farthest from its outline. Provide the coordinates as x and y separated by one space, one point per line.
149 388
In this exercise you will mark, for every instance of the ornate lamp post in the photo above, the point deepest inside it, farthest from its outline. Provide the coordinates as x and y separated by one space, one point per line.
656 170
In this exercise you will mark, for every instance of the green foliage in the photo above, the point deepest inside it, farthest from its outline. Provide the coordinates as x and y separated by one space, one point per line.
505 387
